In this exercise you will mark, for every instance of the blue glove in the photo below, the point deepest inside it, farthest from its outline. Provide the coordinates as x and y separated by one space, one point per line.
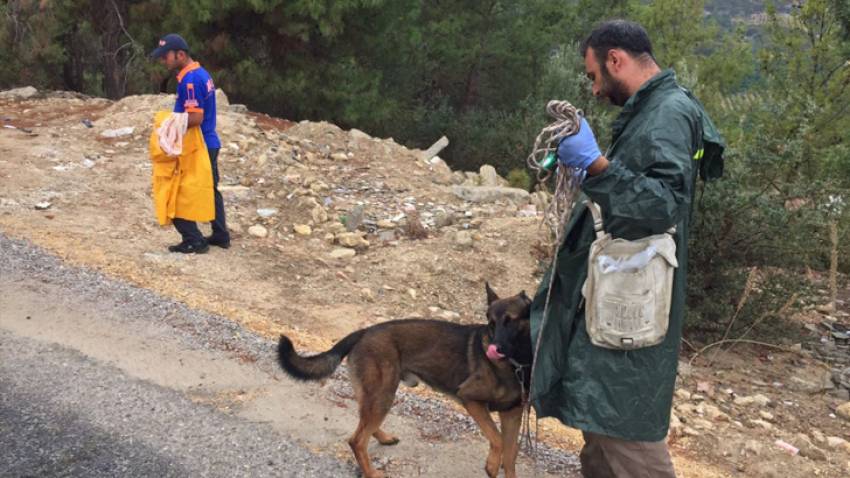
579 150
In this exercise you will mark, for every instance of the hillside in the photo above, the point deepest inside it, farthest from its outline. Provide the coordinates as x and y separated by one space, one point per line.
325 241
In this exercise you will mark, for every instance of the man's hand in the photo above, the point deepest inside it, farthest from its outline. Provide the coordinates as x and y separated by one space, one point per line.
195 119
580 150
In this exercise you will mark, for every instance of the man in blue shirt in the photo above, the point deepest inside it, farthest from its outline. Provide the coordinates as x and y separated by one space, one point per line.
195 96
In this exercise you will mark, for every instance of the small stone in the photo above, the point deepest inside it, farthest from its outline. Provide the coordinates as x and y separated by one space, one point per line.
761 400
339 156
807 449
743 401
843 411
489 176
318 187
22 93
757 399
302 229
766 415
812 380
675 425
701 423
753 447
443 314
357 134
690 432
117 133
443 218
835 442
714 413
841 394
683 394
463 239
705 387
411 293
336 227
386 224
490 194
266 212
43 205
843 378
343 253
352 239
319 215
762 424
354 218
258 231
442 173
367 294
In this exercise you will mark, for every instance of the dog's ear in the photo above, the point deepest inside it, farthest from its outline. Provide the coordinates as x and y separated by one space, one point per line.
491 296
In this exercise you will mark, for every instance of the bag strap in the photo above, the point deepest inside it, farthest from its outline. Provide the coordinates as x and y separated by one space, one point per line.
597 218
598 226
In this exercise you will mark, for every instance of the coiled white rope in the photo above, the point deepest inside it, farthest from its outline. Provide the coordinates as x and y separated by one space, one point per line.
567 122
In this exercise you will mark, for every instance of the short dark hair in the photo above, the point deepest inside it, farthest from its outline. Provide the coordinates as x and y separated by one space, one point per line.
622 34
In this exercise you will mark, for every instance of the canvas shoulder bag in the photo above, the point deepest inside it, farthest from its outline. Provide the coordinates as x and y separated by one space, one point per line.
629 288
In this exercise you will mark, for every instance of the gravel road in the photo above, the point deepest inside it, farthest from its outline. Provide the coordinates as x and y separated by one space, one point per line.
101 378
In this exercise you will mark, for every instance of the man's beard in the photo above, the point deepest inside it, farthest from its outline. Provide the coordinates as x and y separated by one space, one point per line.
613 89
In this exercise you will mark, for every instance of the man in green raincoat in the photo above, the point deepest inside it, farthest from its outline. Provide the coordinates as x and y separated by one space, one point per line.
644 184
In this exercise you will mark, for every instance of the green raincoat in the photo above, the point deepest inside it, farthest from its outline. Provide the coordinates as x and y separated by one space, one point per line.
661 140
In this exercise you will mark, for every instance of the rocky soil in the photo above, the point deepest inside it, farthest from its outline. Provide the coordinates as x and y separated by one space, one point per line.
335 230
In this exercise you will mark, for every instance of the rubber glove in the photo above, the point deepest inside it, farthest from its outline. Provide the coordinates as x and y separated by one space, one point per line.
579 150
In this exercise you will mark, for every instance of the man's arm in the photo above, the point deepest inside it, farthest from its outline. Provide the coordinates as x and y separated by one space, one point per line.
598 167
195 118
187 102
653 200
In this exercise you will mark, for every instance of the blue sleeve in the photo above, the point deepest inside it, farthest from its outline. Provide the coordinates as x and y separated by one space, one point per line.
179 106
202 87
190 94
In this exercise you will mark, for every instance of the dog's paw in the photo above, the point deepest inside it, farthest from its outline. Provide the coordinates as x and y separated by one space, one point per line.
385 438
493 463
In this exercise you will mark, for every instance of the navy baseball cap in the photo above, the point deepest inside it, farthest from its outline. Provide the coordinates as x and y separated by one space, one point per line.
170 42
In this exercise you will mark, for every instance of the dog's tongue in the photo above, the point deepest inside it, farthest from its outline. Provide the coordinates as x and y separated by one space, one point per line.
493 353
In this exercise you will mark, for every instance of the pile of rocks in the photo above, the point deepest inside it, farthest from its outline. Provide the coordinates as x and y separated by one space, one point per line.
339 189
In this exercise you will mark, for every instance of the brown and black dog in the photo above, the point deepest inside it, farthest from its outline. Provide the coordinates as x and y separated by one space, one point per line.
485 367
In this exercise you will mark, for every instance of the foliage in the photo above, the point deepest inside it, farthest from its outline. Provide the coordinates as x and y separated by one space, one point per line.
519 178
775 78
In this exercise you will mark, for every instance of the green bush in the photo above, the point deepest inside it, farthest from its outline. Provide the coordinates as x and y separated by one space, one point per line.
519 178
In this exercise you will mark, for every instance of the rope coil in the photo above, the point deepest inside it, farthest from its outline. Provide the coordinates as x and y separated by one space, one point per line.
567 122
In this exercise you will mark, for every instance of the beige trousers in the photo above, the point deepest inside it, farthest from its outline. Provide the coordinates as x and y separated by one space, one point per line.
608 457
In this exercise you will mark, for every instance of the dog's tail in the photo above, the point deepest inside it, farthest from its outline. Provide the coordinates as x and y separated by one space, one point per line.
315 367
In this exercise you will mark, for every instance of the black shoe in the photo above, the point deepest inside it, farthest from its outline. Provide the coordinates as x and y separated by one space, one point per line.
190 248
222 243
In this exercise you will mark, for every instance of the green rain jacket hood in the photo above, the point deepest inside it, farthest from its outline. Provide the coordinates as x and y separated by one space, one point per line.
662 140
